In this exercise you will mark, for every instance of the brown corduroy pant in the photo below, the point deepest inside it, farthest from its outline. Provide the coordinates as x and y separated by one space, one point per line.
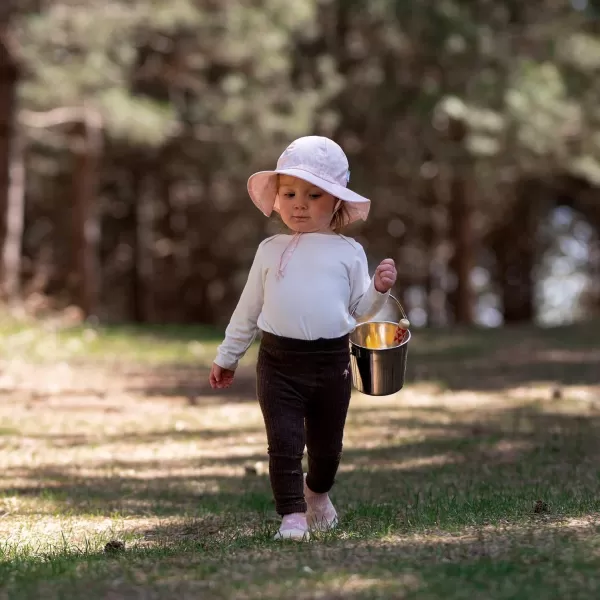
304 392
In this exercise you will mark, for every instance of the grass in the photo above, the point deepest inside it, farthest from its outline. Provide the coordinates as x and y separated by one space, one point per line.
479 480
107 343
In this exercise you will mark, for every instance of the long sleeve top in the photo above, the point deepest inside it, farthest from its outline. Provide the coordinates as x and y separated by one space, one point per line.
324 292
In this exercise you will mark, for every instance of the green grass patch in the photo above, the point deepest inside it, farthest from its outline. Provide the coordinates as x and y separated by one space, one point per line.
42 342
478 480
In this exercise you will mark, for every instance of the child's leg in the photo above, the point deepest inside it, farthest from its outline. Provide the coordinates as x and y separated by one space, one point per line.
325 421
281 393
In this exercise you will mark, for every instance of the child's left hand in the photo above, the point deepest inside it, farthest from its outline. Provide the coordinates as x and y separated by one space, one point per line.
385 275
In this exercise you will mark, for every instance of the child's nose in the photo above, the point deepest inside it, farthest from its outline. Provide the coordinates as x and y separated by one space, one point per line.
301 201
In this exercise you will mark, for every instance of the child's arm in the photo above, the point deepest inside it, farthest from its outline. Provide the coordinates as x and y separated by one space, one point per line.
368 295
242 328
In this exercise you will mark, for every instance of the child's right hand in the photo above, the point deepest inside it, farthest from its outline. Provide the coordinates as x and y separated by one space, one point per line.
220 378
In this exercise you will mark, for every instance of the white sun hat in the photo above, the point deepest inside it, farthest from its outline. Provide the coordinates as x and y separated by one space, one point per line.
317 160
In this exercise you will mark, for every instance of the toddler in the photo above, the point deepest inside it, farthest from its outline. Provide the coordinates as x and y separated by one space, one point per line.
306 292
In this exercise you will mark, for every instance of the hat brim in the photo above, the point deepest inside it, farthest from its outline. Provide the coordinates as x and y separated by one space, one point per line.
262 187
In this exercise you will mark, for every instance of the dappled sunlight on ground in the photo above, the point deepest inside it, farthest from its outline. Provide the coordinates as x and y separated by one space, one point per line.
450 471
128 446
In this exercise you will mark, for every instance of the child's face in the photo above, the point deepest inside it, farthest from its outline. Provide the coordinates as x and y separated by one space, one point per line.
303 206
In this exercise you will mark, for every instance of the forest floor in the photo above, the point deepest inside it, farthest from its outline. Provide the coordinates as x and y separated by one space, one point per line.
480 479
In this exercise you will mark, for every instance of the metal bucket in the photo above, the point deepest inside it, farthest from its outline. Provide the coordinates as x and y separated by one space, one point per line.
379 371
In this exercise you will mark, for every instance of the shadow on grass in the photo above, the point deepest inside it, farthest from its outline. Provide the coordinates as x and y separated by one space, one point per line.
494 360
437 507
455 359
211 558
62 440
456 475
165 333
383 562
193 384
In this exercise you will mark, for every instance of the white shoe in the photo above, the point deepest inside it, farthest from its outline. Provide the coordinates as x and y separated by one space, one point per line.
321 514
293 527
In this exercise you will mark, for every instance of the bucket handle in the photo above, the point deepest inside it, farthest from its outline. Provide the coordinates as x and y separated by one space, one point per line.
399 306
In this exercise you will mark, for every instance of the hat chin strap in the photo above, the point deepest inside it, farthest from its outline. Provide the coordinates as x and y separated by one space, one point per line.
291 247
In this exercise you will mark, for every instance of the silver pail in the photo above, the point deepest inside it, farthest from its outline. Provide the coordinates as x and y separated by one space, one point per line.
379 371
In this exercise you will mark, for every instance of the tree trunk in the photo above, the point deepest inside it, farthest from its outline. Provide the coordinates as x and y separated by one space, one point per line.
594 275
9 74
461 297
136 290
145 235
166 266
205 267
432 235
15 218
86 228
86 129
514 246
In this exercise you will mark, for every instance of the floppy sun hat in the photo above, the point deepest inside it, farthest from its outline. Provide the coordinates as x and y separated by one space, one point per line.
317 160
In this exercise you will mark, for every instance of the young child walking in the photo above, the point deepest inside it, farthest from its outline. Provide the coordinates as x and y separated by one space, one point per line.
306 292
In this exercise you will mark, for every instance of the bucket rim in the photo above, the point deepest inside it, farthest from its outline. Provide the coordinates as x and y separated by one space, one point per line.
402 343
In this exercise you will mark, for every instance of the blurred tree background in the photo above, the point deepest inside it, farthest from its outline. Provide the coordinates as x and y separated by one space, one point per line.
128 129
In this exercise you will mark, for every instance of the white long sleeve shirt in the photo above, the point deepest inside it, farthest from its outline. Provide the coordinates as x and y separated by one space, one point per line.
324 292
